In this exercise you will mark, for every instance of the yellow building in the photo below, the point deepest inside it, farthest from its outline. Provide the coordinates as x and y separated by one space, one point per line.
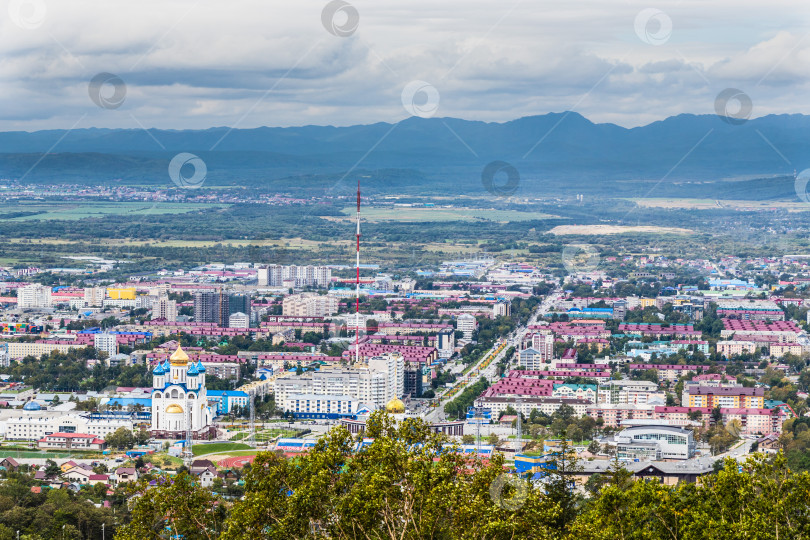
726 398
121 293
646 302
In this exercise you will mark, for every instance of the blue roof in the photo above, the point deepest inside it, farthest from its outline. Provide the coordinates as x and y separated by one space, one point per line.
146 402
192 370
159 369
229 393
200 367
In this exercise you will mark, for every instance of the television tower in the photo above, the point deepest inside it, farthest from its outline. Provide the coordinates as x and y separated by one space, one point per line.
357 285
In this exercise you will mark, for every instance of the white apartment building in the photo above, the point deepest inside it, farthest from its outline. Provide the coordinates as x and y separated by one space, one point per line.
94 296
446 343
532 359
315 406
309 305
21 350
374 383
295 276
540 353
163 308
467 325
501 309
628 392
525 405
36 425
731 348
107 343
238 320
34 296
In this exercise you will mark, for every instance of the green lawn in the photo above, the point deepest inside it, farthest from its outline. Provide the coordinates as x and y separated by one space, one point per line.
202 449
82 209
442 214
266 434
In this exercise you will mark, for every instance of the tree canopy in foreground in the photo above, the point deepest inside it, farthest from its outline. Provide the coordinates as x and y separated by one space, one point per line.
403 487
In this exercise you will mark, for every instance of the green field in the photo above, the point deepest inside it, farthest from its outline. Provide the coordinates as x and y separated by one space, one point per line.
203 449
442 214
72 210
266 435
31 454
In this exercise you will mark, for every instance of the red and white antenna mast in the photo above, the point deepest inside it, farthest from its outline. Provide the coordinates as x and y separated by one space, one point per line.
357 285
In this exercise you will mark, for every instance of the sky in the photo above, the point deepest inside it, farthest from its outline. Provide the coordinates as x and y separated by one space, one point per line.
177 64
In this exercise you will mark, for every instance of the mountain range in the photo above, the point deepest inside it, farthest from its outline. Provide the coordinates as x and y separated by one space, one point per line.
553 152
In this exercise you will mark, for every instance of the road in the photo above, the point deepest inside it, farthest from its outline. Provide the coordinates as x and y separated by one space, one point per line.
490 373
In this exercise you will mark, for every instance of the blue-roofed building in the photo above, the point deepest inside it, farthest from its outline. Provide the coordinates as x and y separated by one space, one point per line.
224 400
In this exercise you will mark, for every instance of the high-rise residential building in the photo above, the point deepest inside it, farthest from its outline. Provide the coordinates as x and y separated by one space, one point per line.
501 309
467 325
107 343
239 303
543 343
212 307
204 306
446 343
163 308
263 276
34 296
298 276
94 296
309 305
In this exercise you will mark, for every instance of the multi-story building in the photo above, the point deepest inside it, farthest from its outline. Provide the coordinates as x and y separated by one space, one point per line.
163 308
94 296
778 350
239 320
107 343
121 293
373 383
670 372
614 415
501 309
525 405
309 305
587 392
72 441
627 391
723 397
21 350
34 296
32 426
239 303
297 276
732 348
467 325
752 422
212 307
446 343
654 442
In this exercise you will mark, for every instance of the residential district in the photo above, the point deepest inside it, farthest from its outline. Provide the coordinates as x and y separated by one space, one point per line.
666 365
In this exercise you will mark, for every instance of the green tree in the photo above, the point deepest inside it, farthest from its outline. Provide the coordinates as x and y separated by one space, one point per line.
178 506
121 438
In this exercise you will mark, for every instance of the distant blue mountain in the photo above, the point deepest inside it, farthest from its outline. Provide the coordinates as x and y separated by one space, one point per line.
549 151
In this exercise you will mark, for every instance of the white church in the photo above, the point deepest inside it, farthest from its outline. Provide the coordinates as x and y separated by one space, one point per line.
179 399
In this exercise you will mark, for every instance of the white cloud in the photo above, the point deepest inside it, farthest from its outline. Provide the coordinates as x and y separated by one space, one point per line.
208 63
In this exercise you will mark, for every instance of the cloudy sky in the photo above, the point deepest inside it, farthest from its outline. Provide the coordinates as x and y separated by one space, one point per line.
248 63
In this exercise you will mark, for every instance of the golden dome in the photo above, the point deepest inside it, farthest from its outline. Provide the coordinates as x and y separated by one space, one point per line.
179 357
174 408
395 406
